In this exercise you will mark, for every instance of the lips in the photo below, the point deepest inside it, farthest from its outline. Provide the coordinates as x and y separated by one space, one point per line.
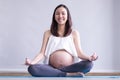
60 20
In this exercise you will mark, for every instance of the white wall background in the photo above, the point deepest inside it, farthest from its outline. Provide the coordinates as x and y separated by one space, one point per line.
22 23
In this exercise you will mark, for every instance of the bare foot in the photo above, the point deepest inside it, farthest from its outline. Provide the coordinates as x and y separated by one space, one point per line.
75 74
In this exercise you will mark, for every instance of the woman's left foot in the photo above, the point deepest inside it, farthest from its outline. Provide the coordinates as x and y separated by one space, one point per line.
77 74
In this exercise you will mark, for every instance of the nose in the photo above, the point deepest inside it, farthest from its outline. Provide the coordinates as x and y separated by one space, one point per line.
60 15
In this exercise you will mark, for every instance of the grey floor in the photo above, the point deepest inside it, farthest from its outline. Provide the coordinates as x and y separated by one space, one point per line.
60 78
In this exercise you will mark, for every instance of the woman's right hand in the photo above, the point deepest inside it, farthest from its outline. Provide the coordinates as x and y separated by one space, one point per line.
27 61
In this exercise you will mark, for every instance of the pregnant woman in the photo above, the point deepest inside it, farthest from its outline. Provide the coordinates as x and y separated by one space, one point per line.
61 50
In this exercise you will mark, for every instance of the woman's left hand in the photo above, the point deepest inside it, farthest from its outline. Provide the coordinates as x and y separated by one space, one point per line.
93 57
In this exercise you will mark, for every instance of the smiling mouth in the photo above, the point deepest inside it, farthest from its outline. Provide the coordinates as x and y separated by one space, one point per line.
60 20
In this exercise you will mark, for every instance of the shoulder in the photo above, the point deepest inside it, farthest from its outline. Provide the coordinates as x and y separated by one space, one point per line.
75 33
47 33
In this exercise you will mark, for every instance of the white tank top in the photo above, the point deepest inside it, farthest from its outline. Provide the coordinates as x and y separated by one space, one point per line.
57 43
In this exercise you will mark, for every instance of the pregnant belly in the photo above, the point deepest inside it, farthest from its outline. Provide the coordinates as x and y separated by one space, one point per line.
60 58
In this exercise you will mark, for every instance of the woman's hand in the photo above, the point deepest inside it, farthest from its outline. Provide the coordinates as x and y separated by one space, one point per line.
27 61
93 57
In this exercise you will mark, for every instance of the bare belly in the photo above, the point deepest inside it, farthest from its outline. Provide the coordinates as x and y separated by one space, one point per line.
60 58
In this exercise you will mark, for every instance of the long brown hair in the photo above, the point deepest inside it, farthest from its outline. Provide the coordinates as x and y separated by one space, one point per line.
68 25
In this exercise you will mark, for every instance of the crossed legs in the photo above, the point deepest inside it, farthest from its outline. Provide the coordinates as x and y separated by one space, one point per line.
44 70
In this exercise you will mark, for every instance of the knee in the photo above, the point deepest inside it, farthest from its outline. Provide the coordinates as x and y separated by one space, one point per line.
86 64
89 64
32 70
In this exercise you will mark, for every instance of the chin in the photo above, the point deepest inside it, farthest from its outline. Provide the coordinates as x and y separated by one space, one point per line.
61 23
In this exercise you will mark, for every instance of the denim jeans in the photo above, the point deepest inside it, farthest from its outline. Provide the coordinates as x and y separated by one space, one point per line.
45 70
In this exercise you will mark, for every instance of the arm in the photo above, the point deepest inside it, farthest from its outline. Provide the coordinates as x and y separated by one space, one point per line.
81 55
41 54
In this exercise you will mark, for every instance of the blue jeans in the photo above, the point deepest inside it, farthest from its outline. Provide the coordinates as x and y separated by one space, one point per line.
44 70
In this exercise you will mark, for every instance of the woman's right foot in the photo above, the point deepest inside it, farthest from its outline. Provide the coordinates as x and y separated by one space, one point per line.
75 74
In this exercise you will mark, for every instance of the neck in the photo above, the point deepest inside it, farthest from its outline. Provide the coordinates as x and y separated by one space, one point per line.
61 30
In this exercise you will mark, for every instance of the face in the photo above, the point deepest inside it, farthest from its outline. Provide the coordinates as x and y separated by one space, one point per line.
61 16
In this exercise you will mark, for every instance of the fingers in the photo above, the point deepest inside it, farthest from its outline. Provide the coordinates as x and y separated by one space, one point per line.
27 61
94 57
